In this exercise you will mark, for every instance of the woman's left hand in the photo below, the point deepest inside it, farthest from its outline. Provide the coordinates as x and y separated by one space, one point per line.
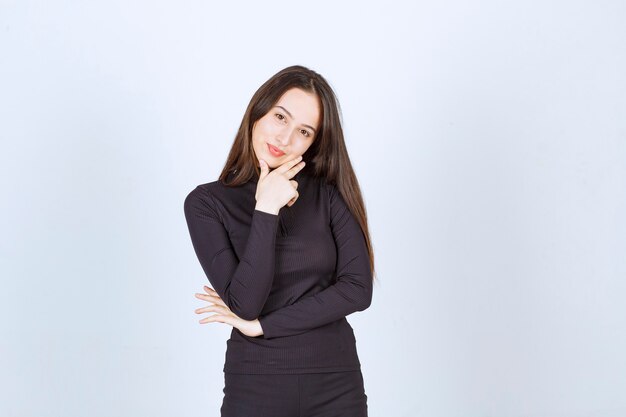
250 328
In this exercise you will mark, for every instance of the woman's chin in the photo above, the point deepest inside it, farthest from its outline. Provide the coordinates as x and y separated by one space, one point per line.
270 161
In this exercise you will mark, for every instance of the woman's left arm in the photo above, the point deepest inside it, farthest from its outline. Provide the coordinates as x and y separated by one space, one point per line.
352 292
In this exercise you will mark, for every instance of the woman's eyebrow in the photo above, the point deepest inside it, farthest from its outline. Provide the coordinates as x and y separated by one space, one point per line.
287 111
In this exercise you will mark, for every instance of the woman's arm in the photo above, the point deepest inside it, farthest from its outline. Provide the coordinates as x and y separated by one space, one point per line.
352 292
244 284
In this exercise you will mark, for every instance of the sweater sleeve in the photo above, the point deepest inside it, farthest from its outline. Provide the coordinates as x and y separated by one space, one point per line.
243 284
351 292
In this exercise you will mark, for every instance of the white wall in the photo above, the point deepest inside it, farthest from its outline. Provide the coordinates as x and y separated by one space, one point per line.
489 140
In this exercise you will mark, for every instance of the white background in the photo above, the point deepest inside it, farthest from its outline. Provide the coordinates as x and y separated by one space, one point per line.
489 139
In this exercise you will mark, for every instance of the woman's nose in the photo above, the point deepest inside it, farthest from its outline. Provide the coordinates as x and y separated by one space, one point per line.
284 137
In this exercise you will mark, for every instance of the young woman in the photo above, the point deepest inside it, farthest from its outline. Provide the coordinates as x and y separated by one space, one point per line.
282 236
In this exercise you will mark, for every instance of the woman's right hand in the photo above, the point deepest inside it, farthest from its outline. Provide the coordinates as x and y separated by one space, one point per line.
276 189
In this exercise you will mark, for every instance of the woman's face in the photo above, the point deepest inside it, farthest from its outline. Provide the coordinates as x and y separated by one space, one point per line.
288 129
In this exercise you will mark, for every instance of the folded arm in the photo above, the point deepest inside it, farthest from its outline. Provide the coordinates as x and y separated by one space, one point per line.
352 291
243 284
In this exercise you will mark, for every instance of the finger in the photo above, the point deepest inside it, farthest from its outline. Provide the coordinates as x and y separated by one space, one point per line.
213 318
212 299
201 310
294 183
265 169
219 318
216 300
292 201
295 169
212 293
215 308
287 165
219 301
206 297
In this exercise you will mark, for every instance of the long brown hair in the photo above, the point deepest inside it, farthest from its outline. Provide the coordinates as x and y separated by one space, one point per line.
326 157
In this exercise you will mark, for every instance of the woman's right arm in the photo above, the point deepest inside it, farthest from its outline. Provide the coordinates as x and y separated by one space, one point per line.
243 284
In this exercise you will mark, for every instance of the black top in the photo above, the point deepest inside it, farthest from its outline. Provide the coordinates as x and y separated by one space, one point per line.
300 272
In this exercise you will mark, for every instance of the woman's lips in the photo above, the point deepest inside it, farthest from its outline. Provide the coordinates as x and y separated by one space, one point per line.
275 151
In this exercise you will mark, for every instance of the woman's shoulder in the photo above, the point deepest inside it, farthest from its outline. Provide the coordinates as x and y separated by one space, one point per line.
217 186
204 190
200 197
207 193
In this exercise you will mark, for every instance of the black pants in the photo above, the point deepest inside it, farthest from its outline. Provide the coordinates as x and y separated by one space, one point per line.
298 395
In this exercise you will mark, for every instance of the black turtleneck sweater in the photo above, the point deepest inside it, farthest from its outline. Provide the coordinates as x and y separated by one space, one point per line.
300 272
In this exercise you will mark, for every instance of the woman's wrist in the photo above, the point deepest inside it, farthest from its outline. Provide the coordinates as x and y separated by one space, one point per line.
266 208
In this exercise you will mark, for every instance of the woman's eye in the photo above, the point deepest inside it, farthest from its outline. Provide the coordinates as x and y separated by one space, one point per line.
281 117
